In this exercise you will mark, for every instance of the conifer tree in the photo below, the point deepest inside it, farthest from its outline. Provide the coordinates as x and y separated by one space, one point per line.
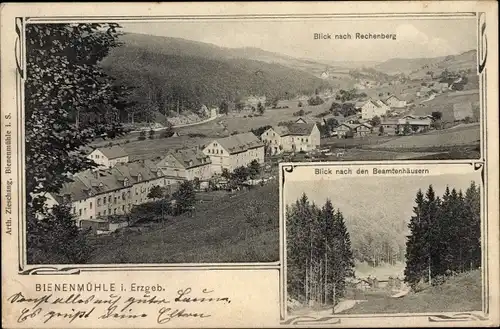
472 209
445 235
415 256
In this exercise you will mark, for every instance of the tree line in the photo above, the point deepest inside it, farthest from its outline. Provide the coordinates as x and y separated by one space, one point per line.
319 256
445 235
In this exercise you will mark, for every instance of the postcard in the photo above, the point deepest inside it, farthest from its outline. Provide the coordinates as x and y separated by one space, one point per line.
249 165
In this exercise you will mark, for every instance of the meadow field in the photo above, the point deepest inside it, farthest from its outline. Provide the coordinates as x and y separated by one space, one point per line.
466 134
240 227
444 103
461 293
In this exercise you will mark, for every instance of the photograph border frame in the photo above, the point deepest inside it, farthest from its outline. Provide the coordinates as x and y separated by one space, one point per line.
482 315
20 23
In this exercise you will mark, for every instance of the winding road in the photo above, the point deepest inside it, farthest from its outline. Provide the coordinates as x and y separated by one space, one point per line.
182 125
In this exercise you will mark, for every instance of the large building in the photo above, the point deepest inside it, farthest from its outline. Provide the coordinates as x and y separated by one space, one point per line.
234 151
94 195
394 102
416 124
108 157
295 137
373 108
187 163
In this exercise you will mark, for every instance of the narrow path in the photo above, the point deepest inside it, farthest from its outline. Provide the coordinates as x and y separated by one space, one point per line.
180 126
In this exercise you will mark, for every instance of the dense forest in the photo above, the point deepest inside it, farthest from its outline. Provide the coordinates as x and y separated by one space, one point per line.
167 83
445 235
319 256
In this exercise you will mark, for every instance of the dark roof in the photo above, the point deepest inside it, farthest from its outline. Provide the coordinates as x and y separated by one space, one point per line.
392 96
240 142
96 182
300 129
113 152
190 158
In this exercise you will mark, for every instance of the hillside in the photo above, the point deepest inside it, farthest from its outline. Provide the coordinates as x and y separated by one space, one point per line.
461 293
374 224
418 66
234 228
184 47
167 71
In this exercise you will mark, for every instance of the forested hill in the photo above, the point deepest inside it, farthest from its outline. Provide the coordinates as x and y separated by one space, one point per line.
194 73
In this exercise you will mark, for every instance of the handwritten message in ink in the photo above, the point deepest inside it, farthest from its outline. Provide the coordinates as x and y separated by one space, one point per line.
80 302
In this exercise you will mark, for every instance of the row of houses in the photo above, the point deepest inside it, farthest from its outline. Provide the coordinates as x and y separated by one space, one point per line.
117 184
372 108
96 194
388 127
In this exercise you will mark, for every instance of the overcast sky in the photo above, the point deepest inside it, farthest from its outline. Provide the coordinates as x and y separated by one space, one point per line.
414 37
394 192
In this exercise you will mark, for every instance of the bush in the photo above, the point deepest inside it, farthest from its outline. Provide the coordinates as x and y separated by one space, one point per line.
299 113
196 135
166 133
313 101
142 135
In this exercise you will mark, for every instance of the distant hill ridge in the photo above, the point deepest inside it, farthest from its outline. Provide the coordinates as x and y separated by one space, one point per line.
415 65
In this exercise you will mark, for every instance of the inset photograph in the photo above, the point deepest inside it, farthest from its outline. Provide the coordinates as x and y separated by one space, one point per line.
395 240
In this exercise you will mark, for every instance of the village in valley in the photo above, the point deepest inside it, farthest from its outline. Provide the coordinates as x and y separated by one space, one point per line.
325 126
204 129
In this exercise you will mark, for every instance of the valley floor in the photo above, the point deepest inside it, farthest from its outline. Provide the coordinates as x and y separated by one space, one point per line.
461 293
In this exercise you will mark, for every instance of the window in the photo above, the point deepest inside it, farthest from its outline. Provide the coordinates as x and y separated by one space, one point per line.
109 199
114 200
90 205
114 211
90 217
123 208
97 156
74 210
217 151
306 140
104 200
221 151
99 213
118 197
80 212
104 212
85 211
98 202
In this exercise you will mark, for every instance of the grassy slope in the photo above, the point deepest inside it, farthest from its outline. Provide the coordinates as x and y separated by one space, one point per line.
217 232
459 294
466 135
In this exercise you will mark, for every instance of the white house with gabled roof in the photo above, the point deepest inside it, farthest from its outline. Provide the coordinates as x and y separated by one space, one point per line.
234 151
108 157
